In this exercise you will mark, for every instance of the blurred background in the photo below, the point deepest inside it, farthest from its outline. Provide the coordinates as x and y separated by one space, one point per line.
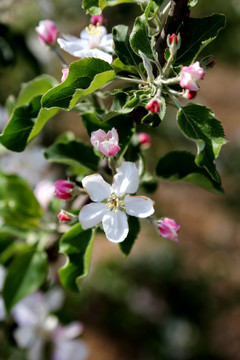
166 301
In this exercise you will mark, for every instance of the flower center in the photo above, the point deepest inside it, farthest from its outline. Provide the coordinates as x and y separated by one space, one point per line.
94 33
114 204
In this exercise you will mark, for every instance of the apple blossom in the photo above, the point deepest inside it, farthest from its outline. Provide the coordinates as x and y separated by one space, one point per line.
47 32
190 75
106 143
173 39
94 42
111 203
36 327
63 189
154 106
98 20
44 192
65 72
168 228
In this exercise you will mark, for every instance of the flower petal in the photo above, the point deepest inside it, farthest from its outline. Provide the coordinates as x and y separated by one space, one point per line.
97 188
73 47
91 215
95 53
115 226
139 206
71 349
126 180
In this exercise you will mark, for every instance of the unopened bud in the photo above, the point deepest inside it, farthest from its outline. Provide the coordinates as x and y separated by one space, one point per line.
169 228
154 106
63 216
65 72
174 43
47 32
145 140
191 94
98 20
63 189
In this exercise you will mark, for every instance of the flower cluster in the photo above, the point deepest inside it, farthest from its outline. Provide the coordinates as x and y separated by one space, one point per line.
189 77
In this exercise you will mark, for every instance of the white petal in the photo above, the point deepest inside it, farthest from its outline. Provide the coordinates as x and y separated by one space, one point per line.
2 276
73 47
54 299
2 310
68 332
36 352
95 53
126 180
106 43
115 226
97 188
91 215
139 206
71 350
25 337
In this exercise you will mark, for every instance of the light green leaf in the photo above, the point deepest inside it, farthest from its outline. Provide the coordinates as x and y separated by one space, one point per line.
76 244
139 39
118 67
196 34
25 275
95 7
147 65
85 76
199 124
18 205
180 165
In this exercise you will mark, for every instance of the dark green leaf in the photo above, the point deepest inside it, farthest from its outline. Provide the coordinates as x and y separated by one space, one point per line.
25 275
18 205
152 120
180 165
76 244
122 46
196 34
139 39
72 152
118 67
199 124
95 7
85 76
134 228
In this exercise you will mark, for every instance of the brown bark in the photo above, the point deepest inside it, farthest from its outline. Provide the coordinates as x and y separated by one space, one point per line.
178 12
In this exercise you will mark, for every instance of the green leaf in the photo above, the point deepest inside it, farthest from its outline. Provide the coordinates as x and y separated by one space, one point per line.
85 76
25 275
119 66
72 152
122 46
123 123
139 39
27 117
18 205
180 165
134 228
196 34
148 67
95 7
192 2
151 120
76 244
199 124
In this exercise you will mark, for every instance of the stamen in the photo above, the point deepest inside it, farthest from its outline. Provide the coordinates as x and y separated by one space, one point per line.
114 204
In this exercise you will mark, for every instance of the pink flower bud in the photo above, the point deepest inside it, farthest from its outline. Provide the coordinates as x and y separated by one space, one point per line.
168 228
191 94
154 106
65 72
63 216
173 39
145 140
106 143
47 31
190 75
98 20
63 189
210 64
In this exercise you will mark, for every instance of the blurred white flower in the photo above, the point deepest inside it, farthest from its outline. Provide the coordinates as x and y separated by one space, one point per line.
93 42
36 327
44 192
2 307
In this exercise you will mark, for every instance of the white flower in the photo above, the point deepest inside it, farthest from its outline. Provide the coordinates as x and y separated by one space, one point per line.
36 326
94 42
111 203
2 279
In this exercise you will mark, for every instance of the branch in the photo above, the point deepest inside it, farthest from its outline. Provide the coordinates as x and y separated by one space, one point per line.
178 12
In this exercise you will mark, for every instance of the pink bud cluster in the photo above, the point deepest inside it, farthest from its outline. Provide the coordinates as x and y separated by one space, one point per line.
63 216
189 77
173 39
168 228
47 32
145 140
63 189
106 143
